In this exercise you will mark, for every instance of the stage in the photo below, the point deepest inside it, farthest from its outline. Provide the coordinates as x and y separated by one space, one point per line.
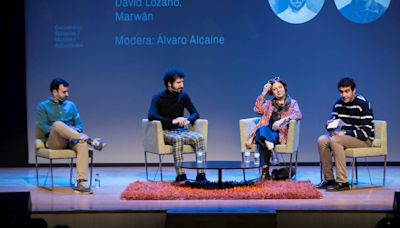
366 204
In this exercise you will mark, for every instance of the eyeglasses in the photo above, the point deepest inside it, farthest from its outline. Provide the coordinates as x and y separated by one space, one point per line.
274 80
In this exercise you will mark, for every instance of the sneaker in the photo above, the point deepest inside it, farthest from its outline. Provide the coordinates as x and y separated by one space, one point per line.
96 143
326 184
339 187
201 177
81 187
180 178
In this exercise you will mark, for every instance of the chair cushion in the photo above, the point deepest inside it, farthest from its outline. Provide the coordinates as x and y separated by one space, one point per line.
168 149
55 154
280 148
364 152
376 143
283 148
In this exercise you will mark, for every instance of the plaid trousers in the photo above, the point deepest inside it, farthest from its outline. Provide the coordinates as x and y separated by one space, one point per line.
178 138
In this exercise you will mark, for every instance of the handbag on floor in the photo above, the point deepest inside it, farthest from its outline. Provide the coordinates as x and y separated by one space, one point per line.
282 173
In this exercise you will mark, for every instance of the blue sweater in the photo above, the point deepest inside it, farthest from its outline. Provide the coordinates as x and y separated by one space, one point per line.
166 106
358 117
49 111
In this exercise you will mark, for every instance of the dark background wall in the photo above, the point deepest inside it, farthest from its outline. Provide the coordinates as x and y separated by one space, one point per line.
13 137
222 80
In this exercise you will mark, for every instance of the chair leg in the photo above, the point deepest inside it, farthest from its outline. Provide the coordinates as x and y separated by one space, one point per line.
37 171
160 166
91 167
244 172
369 173
352 173
145 165
51 174
320 169
295 176
356 170
384 170
71 166
290 167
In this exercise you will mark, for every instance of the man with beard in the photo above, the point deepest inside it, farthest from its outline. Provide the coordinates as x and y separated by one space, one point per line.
59 120
297 12
168 107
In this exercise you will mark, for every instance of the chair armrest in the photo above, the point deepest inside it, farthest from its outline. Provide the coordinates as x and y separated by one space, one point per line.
153 138
201 126
246 126
380 134
39 144
293 135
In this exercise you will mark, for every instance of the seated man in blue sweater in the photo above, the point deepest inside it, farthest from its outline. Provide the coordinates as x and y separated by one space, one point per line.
59 120
168 107
356 130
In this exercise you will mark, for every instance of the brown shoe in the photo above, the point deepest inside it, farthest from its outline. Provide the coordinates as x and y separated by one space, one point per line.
265 173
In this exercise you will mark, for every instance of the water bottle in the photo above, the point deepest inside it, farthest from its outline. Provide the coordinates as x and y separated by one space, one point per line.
200 156
256 157
247 156
97 181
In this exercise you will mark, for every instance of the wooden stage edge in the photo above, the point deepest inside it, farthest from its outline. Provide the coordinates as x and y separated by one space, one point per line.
365 205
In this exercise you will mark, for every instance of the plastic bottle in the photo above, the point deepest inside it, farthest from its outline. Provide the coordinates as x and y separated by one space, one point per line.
200 156
247 156
256 157
97 183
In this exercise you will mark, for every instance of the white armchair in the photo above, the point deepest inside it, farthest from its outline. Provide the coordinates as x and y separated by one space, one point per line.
291 147
153 140
43 152
378 148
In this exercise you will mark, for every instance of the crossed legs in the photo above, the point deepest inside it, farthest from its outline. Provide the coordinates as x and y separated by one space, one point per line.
62 136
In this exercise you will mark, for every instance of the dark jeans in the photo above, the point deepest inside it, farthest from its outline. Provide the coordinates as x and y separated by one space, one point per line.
265 154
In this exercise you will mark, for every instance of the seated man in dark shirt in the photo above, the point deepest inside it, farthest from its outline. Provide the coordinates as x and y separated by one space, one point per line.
168 107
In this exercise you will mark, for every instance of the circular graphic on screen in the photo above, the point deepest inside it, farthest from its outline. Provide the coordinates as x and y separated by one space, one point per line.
362 11
296 11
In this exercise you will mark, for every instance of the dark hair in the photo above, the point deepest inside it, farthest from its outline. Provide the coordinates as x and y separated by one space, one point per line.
285 86
55 84
346 82
172 74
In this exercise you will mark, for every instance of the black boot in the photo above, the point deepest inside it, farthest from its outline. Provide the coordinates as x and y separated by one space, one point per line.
181 177
265 173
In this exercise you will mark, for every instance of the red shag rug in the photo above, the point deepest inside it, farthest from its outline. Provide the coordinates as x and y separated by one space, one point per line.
261 190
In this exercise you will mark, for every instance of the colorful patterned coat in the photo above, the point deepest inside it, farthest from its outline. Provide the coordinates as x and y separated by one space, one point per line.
266 110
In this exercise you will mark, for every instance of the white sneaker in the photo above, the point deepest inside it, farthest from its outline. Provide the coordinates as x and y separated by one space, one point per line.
96 143
81 187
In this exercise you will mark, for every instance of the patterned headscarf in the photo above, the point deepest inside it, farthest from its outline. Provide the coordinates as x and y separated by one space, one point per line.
280 108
